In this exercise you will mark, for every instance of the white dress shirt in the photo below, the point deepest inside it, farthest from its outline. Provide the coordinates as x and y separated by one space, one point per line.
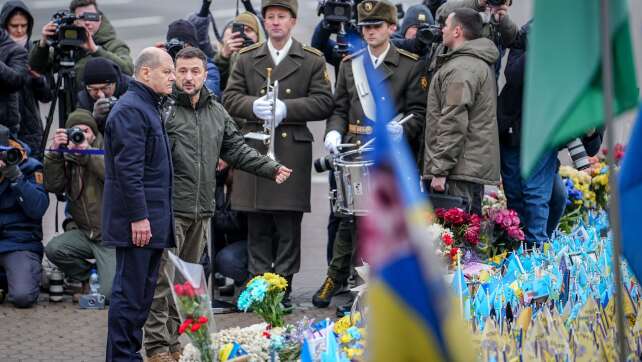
376 61
279 55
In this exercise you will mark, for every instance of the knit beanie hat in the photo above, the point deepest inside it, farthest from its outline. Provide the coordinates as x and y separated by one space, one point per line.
182 30
99 71
249 20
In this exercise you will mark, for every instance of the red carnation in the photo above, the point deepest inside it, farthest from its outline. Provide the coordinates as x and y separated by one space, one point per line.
188 290
472 235
453 252
455 216
184 326
202 319
440 213
195 327
447 239
179 289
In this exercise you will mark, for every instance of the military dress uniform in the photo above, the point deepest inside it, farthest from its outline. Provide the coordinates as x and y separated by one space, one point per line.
275 211
402 75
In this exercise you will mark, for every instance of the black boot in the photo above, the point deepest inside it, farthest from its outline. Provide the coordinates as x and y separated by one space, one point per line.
323 296
287 302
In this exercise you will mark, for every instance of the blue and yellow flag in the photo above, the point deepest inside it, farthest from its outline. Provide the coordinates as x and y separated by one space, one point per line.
412 314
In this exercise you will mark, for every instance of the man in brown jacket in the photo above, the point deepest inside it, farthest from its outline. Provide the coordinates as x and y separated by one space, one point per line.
353 120
462 141
275 211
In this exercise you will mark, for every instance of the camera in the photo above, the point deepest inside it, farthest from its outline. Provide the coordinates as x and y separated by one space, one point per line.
75 135
335 11
578 154
173 46
240 28
10 155
68 35
429 34
324 164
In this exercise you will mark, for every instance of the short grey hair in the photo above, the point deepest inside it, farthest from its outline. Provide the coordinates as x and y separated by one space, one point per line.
148 57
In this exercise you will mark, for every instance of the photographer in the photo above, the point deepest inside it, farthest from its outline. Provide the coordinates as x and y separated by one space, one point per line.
81 177
13 76
16 19
101 42
23 203
233 41
181 34
416 17
104 84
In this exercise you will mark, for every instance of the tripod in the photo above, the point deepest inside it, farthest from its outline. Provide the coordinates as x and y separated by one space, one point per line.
64 95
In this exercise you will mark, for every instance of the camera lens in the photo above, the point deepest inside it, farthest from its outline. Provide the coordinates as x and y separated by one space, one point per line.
578 154
76 135
323 164
11 157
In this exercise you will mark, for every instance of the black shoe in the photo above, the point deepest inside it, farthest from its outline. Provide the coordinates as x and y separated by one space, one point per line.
344 309
323 296
287 302
223 307
226 291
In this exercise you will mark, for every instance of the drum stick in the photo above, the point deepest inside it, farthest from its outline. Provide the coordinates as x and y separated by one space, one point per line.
402 121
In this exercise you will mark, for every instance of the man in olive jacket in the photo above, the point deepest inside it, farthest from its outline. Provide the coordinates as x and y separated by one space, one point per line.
462 141
101 42
199 131
82 178
275 212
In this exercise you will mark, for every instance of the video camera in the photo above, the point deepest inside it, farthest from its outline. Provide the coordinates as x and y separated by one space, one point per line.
336 11
68 35
500 2
75 135
429 34
10 155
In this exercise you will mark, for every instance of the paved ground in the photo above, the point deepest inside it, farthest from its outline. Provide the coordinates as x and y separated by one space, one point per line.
62 332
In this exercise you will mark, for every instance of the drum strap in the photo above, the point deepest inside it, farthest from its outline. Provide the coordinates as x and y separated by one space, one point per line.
363 87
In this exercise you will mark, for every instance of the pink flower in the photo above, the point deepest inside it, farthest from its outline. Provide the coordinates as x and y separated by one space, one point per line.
515 233
440 213
472 235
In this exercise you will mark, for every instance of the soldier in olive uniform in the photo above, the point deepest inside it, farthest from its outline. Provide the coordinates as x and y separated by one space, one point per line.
275 211
353 117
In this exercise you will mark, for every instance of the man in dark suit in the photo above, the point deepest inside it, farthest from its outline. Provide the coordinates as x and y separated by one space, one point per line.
137 201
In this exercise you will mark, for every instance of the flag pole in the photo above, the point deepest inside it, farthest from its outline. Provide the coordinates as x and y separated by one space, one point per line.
614 212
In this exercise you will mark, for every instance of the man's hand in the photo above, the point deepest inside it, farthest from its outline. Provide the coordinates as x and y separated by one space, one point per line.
60 138
222 165
438 184
498 12
262 108
282 174
101 109
141 232
90 45
47 32
231 44
11 173
395 130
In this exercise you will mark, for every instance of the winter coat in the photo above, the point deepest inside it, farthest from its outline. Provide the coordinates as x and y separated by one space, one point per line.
81 178
23 203
109 47
198 137
304 87
462 142
13 77
510 100
36 89
138 170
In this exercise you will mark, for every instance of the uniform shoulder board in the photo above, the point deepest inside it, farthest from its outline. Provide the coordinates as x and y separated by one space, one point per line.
353 55
410 55
251 47
313 50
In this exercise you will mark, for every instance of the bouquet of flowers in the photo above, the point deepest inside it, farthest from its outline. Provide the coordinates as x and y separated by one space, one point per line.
465 227
192 299
580 197
504 231
263 295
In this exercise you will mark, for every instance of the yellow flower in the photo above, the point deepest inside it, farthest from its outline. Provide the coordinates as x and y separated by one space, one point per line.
353 352
345 338
342 325
275 281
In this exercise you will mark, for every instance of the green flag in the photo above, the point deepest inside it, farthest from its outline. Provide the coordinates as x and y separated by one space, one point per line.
563 94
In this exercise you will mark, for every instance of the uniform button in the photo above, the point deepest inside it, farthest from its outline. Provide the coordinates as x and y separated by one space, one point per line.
358 121
358 142
284 134
262 91
288 91
383 98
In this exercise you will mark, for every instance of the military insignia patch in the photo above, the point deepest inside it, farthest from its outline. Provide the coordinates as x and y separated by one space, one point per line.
423 81
326 75
368 6
39 177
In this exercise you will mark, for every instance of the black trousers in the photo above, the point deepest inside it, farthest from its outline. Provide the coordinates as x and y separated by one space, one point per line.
274 242
131 298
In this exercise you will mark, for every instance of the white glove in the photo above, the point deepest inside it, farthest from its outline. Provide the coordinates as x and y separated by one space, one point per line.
262 108
281 111
395 130
332 141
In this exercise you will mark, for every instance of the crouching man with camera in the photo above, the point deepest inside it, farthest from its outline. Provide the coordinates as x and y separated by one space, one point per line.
23 202
80 174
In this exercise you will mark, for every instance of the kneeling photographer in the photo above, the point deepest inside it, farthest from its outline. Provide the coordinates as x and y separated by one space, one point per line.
104 84
80 175
73 37
23 203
